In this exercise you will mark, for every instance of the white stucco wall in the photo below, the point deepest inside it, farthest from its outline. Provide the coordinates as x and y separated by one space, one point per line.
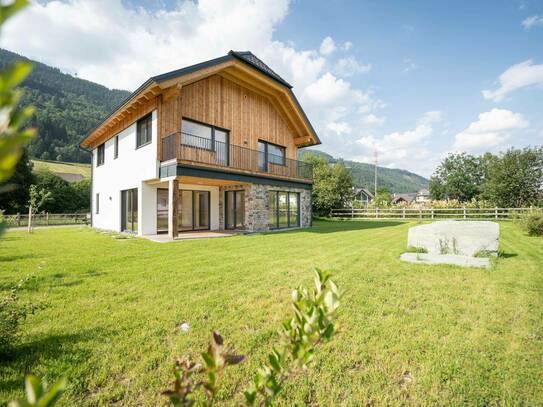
129 170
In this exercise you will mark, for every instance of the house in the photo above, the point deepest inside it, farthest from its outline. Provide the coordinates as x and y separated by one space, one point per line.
362 195
423 196
212 146
403 198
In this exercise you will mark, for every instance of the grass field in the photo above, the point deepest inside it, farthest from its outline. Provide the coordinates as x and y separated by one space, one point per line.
58 167
408 334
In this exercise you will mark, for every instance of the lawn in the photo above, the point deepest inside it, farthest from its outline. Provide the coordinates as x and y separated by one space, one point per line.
408 334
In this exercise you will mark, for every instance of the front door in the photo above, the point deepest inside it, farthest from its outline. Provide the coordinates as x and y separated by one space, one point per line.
234 210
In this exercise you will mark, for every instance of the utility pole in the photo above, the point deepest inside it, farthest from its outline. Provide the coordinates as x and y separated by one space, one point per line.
375 175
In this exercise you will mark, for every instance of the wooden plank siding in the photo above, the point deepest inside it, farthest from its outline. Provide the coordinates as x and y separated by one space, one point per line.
248 115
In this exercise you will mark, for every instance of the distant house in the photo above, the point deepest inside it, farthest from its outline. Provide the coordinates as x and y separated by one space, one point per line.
423 196
403 198
212 146
362 195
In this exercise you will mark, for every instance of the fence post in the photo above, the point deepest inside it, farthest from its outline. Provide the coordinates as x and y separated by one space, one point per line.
377 213
420 214
18 219
464 208
496 212
47 218
403 213
432 213
352 212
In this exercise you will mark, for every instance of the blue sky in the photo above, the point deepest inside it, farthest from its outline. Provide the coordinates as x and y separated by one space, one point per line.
413 80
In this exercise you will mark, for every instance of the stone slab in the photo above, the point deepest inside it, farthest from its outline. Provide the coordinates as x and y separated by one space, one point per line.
455 237
453 259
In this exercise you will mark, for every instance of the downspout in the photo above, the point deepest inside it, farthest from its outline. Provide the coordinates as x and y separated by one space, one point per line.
92 181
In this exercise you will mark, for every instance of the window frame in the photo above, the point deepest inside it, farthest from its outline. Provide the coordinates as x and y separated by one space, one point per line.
212 140
267 161
101 154
298 209
116 147
148 117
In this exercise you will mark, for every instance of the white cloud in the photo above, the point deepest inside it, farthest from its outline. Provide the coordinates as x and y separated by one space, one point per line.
398 149
409 65
516 77
347 45
490 131
532 21
349 66
328 46
373 120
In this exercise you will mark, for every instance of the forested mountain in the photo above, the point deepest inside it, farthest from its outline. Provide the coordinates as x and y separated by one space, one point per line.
67 108
395 180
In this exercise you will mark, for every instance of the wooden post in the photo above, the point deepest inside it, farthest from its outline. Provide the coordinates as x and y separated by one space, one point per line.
47 218
496 212
376 213
30 219
173 199
403 213
432 213
420 213
464 208
18 219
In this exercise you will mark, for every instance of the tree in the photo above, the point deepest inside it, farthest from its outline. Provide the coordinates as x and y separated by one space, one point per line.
14 192
382 198
459 176
332 184
38 197
515 178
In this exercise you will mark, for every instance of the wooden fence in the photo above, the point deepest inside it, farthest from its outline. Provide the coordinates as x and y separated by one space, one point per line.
47 219
430 213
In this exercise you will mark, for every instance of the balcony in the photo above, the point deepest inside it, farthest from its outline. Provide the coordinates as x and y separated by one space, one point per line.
199 150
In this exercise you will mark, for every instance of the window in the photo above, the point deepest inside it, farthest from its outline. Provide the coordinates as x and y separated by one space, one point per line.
283 209
97 203
234 209
116 147
144 131
100 153
208 137
270 154
129 210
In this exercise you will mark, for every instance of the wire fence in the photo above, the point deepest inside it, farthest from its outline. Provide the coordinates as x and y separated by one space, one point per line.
431 213
47 219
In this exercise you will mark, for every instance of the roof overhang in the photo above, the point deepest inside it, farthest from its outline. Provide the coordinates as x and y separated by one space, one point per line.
232 67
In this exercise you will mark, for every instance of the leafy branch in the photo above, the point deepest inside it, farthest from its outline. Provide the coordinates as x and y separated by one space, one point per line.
311 325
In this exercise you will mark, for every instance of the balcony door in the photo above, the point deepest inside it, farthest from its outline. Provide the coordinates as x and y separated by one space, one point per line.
193 210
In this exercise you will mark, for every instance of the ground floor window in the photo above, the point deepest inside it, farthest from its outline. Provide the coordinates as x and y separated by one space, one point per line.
129 210
283 209
193 210
234 209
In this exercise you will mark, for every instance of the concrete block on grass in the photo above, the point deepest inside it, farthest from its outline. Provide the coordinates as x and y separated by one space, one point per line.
454 259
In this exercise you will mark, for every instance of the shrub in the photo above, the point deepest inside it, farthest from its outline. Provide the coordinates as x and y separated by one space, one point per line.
12 313
533 223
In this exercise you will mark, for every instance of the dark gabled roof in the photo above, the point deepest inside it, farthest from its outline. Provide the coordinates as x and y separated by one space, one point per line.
246 57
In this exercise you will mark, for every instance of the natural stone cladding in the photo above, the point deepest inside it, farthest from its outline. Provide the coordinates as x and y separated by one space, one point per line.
256 205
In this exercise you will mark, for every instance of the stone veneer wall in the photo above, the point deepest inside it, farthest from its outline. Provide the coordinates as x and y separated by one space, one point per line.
256 205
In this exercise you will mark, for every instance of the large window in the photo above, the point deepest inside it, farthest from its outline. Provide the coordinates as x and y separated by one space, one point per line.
144 131
234 209
270 154
208 137
100 154
129 210
283 209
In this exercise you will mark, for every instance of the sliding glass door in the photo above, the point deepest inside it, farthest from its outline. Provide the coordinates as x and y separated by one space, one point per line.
234 210
193 212
283 209
129 210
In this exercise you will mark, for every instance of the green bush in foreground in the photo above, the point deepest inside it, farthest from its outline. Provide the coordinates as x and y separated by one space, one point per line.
311 325
37 395
533 223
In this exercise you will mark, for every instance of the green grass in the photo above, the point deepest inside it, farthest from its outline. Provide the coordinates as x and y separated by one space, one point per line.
408 334
58 167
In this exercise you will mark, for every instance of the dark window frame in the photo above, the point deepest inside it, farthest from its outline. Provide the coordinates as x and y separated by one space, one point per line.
194 192
132 194
212 140
116 147
267 154
235 193
148 121
298 209
101 154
